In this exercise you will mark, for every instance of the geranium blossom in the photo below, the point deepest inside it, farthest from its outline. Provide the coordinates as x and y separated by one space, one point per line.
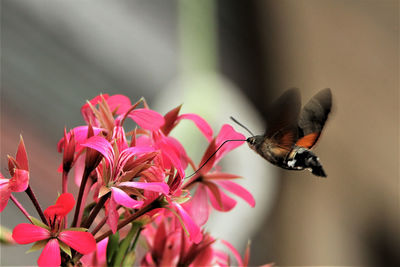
211 182
114 180
131 176
19 170
55 236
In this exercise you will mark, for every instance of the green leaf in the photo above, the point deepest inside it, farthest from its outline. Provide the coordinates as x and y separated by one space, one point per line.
181 200
87 211
129 259
79 229
37 245
64 247
38 223
123 248
112 248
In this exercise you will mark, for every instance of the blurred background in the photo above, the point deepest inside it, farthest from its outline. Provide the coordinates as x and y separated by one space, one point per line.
222 58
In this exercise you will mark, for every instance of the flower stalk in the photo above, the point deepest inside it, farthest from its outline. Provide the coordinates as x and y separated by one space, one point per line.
35 202
20 207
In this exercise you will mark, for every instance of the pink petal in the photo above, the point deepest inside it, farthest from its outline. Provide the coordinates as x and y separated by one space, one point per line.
83 242
201 123
227 133
221 257
26 233
147 119
180 151
234 252
207 158
120 138
50 255
22 157
79 167
220 176
20 181
124 199
170 256
130 152
227 203
87 112
238 190
157 239
204 258
5 194
121 102
170 154
112 215
198 206
67 201
80 136
170 120
154 186
193 229
98 257
101 145
96 100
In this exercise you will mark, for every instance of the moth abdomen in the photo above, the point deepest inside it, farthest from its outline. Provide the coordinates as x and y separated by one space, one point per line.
305 159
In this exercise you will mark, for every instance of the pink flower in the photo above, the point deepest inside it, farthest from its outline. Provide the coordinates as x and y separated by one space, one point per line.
19 170
71 144
170 246
121 168
241 262
97 257
172 118
120 105
55 236
210 183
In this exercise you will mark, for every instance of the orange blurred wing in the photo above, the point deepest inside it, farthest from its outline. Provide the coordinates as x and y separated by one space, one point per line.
308 141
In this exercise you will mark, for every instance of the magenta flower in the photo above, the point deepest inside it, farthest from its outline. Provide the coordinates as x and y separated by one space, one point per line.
134 176
241 262
55 236
71 144
121 105
97 257
172 118
170 246
115 180
210 183
19 170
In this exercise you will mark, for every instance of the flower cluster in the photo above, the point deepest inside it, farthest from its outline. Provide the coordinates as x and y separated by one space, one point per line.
132 186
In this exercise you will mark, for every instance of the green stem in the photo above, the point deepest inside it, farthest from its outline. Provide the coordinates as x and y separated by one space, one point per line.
123 248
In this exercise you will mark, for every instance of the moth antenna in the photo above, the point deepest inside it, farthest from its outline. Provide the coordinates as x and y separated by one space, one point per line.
244 127
213 154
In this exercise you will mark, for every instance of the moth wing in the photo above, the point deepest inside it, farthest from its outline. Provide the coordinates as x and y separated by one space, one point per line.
285 138
283 115
313 117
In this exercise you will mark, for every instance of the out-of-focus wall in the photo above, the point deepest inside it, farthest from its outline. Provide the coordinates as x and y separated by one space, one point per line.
352 217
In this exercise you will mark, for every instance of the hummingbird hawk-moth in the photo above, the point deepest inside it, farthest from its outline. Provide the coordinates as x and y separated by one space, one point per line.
291 133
